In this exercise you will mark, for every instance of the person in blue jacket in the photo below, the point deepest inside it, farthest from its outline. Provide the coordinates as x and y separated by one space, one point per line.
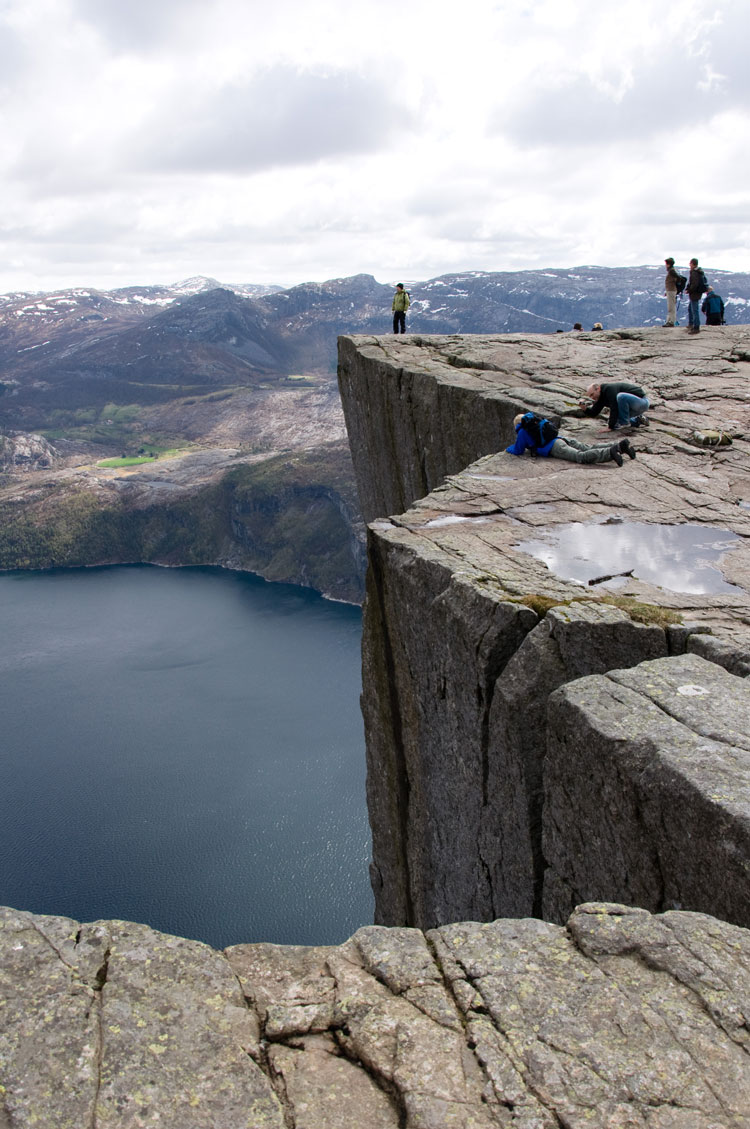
713 307
568 448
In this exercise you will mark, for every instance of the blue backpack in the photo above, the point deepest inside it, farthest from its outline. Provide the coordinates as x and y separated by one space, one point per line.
540 430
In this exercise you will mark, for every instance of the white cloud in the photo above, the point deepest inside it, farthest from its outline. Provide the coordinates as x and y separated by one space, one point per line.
280 116
300 140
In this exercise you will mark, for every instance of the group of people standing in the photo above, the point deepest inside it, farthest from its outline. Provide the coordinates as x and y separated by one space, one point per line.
695 286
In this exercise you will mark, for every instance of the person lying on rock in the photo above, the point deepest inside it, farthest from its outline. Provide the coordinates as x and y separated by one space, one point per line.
566 447
626 402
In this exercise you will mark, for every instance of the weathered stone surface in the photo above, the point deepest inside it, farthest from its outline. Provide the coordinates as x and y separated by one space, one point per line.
569 642
461 651
118 1026
21 451
619 1021
647 788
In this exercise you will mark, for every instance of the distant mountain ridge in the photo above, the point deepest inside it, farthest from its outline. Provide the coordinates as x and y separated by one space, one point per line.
200 332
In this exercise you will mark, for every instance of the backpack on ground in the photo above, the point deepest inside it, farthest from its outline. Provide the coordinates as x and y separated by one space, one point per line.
540 430
680 282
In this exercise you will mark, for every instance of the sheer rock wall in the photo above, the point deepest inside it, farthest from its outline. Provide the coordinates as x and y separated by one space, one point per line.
476 784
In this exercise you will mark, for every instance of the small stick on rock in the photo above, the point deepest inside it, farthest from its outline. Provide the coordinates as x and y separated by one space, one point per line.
612 576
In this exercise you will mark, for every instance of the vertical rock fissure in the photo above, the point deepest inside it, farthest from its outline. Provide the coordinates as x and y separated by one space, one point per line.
485 1010
100 981
492 669
385 1085
401 771
275 1079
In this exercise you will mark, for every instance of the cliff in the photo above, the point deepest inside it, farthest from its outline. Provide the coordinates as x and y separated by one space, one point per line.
619 1020
556 703
539 735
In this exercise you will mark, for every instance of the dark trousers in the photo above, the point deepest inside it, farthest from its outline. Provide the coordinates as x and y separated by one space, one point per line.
399 319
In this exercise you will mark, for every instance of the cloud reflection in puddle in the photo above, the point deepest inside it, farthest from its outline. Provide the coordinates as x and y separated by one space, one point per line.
678 557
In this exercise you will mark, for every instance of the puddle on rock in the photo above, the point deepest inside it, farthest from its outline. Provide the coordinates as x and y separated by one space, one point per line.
678 557
454 519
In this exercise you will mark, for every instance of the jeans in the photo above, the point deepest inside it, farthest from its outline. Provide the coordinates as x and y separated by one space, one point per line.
575 452
399 319
629 407
694 313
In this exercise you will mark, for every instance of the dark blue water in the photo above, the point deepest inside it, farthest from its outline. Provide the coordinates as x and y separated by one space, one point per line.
182 747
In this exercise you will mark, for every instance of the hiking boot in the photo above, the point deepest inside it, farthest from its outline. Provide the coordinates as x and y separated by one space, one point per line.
640 421
627 449
614 453
668 325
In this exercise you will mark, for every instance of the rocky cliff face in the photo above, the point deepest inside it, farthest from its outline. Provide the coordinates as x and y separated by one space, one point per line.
20 452
619 1020
490 794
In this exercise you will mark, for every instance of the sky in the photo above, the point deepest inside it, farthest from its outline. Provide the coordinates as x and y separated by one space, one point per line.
148 141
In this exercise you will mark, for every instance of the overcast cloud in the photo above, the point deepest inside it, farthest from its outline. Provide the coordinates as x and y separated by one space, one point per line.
149 141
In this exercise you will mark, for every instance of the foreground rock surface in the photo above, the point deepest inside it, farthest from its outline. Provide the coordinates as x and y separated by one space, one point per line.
619 1020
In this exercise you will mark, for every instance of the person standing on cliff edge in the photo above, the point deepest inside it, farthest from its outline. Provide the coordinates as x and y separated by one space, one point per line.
696 288
401 303
670 289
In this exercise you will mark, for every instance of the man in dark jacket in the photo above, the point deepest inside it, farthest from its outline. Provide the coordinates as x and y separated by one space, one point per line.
696 288
713 307
626 402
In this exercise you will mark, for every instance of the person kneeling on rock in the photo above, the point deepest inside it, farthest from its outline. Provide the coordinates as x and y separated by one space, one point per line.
565 446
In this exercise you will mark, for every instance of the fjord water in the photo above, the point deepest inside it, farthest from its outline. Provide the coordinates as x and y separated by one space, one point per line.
184 748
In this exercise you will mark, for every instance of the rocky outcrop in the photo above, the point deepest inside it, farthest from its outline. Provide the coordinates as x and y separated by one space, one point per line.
619 1019
475 630
532 740
647 789
21 451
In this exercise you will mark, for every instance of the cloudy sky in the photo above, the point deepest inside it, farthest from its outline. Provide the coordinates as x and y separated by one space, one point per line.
146 141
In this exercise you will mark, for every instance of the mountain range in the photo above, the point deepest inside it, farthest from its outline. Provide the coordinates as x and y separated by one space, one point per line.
219 408
155 343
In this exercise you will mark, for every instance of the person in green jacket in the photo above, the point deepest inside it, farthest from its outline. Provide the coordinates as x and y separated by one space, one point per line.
400 305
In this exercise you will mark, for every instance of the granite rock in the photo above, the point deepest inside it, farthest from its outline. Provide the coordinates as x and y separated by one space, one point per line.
472 618
621 1019
647 789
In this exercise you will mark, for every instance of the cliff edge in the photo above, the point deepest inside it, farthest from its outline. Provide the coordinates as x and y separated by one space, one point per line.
619 1020
555 656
